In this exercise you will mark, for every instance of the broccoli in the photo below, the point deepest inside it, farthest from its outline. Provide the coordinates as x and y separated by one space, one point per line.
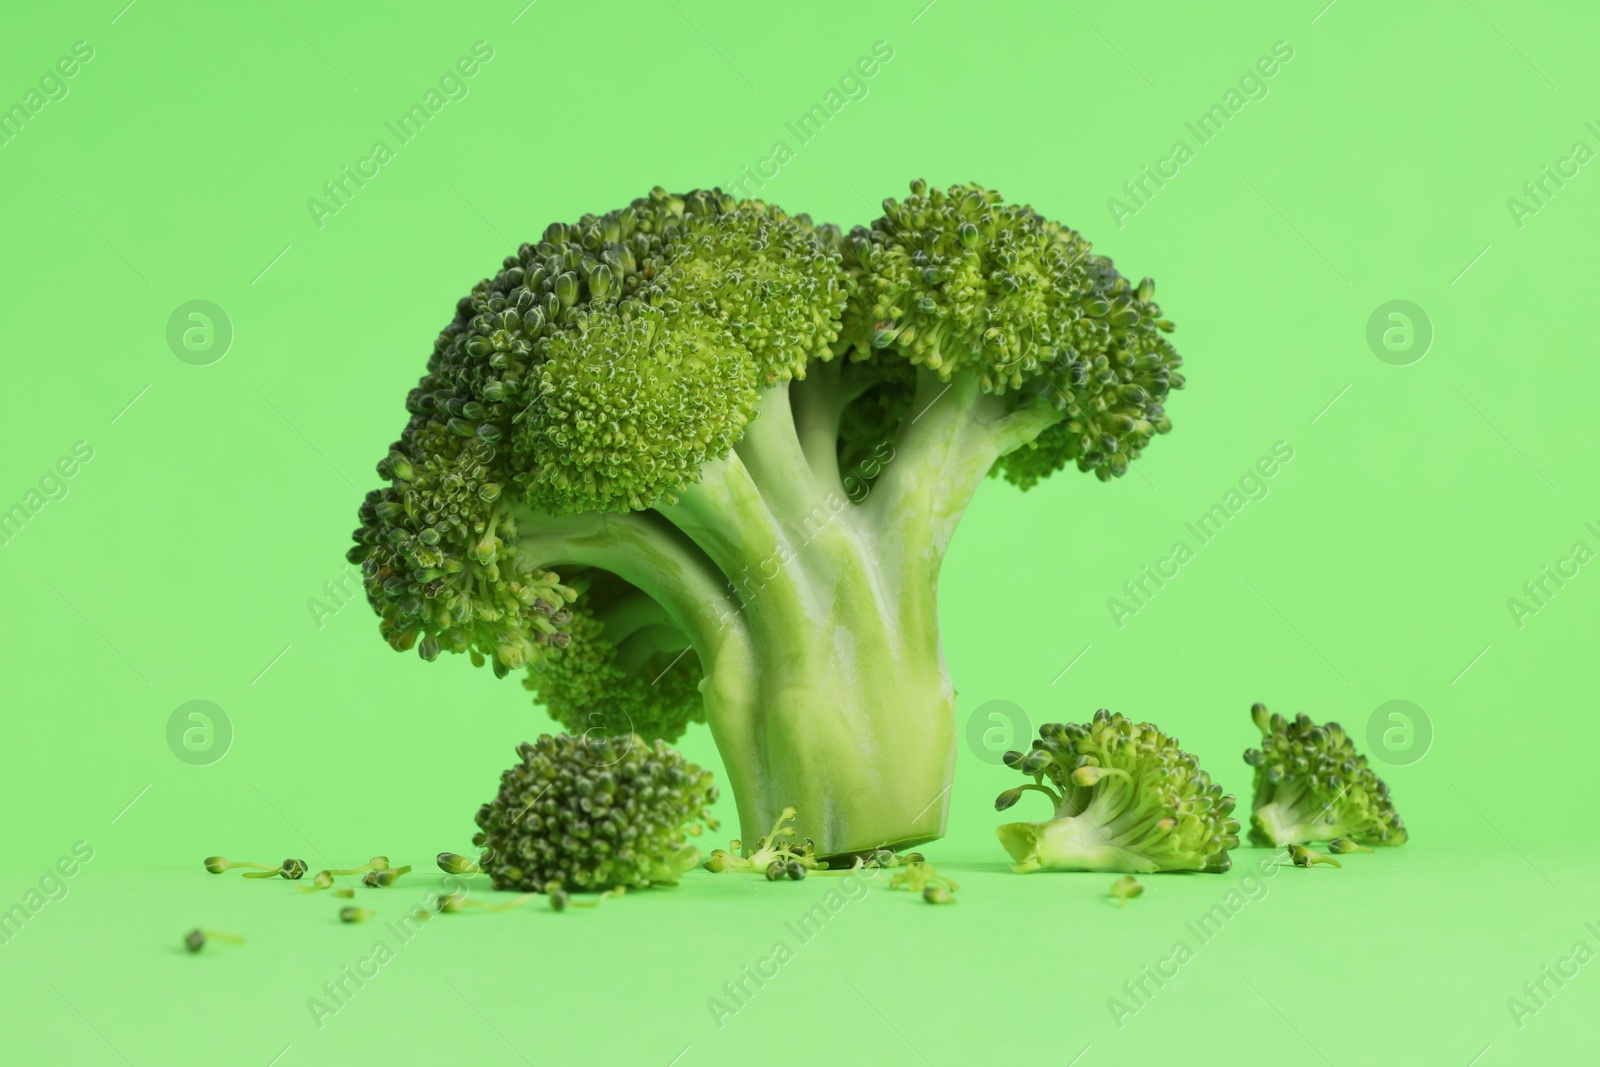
776 847
594 812
699 460
1312 785
1127 798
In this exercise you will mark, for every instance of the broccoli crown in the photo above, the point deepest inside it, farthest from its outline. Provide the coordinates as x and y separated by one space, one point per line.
597 371
1312 785
593 812
1127 798
613 364
957 280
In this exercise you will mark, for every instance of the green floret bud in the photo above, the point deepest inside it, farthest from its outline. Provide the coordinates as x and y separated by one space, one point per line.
591 813
628 405
1312 785
438 555
624 668
768 278
1127 798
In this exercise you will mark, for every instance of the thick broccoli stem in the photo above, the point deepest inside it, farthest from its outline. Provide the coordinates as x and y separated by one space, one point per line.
948 444
647 554
825 685
851 712
856 722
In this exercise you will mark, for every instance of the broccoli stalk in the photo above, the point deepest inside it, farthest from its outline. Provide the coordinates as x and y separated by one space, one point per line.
700 461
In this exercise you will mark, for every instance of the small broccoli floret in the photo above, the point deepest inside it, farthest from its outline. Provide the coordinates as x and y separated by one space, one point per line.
919 876
1312 785
1127 798
776 848
593 813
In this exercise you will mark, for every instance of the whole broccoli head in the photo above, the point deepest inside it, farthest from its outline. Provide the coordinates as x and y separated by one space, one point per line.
1127 798
700 460
1312 785
593 812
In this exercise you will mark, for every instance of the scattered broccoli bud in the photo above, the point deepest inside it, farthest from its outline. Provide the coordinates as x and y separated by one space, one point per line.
560 900
196 939
1127 798
218 864
773 850
355 915
451 903
454 863
1125 887
319 881
1341 845
290 869
920 877
1312 785
344 891
591 813
1304 857
795 870
385 878
376 863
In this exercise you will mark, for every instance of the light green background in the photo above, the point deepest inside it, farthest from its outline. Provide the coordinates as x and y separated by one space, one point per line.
181 560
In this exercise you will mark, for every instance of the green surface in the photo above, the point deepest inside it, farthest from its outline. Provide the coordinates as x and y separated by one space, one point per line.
210 499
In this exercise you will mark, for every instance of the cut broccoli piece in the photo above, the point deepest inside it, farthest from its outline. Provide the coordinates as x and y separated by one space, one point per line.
1127 798
775 847
593 812
1312 785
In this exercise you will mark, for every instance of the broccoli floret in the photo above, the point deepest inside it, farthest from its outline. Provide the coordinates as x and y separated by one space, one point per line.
1127 798
776 847
1312 785
699 460
592 812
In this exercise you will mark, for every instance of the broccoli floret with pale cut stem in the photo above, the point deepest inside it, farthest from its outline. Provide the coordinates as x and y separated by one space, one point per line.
1312 785
1126 797
698 460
